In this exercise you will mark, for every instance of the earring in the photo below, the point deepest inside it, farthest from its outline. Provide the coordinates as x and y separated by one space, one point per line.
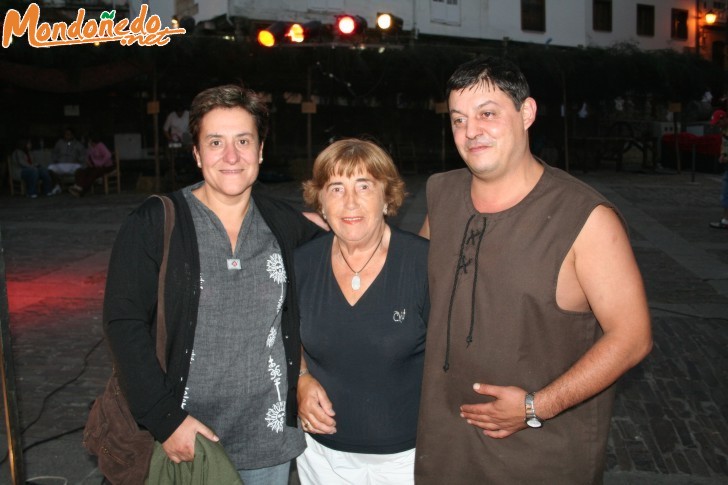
261 160
323 214
384 211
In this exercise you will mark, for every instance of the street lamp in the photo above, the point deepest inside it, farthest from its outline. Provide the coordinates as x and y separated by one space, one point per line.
702 20
710 17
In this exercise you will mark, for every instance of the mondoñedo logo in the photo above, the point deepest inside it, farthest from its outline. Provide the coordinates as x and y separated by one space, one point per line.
141 30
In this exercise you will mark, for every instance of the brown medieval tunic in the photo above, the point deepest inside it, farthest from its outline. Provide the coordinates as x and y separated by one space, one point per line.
494 319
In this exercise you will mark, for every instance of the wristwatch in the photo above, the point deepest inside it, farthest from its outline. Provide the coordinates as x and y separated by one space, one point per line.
532 420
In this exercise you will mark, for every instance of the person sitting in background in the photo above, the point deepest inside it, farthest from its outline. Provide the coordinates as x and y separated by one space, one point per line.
30 173
68 155
177 132
99 161
176 126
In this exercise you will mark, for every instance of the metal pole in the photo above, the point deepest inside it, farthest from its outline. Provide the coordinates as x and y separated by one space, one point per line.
678 163
443 141
7 375
566 125
155 123
697 27
692 174
309 143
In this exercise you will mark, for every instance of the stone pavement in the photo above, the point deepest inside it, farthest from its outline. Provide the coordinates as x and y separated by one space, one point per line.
670 424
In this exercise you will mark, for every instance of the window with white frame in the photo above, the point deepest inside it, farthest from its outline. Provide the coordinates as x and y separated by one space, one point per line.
445 11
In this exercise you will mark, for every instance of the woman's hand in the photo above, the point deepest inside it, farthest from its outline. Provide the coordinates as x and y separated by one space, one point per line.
180 446
314 407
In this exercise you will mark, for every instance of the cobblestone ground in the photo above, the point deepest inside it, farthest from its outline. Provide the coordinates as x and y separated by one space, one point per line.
55 254
669 424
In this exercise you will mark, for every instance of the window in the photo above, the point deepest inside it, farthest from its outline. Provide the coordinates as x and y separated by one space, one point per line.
533 15
679 24
602 15
646 20
445 11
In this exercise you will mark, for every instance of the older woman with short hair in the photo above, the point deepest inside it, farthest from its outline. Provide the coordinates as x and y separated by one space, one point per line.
364 306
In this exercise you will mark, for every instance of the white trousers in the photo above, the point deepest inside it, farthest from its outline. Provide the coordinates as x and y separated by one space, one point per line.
319 465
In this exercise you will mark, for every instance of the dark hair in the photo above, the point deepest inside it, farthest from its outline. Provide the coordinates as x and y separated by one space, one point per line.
228 96
492 71
346 157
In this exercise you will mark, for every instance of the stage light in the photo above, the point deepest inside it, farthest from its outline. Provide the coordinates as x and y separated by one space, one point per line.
272 35
347 25
299 33
388 22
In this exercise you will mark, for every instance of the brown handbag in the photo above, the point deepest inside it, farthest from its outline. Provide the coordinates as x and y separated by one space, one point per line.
123 449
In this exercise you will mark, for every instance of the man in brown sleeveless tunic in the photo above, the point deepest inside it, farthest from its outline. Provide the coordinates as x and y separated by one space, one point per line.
538 306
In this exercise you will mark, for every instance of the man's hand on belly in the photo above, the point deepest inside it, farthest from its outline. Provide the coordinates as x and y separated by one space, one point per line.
501 417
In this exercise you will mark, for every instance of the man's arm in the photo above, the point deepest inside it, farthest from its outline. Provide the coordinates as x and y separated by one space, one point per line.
608 275
425 229
316 218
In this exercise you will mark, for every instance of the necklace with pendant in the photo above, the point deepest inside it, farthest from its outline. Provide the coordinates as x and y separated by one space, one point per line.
356 280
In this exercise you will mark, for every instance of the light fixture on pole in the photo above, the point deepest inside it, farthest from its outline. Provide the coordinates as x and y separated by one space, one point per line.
710 17
703 20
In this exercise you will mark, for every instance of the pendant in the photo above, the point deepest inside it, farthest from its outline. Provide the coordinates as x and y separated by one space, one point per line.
355 282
